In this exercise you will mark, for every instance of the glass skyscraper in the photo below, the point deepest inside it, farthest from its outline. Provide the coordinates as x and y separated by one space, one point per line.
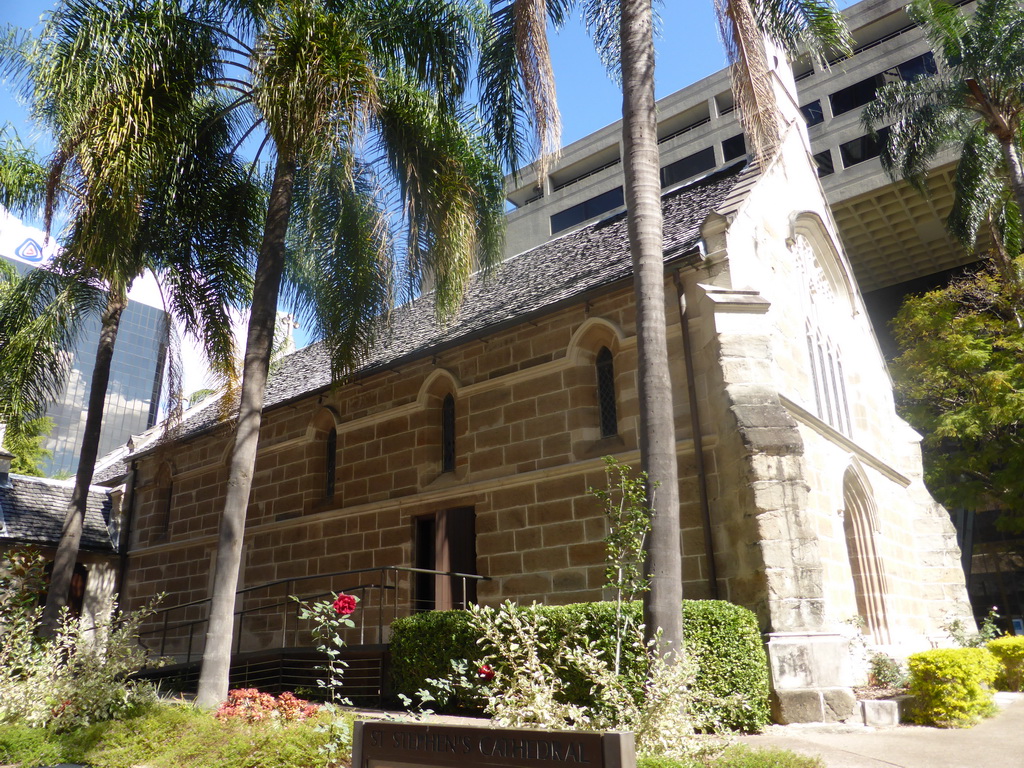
133 392
136 376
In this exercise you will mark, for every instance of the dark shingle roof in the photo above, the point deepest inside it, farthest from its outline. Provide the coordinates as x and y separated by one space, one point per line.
558 270
32 510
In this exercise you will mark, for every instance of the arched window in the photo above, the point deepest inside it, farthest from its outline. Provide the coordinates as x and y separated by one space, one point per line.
606 393
76 589
330 462
164 499
448 434
869 582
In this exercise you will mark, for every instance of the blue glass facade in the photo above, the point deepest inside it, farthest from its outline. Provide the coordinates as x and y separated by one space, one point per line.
133 394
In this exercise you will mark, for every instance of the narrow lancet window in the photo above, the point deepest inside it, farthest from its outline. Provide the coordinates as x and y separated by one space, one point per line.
606 393
330 463
448 434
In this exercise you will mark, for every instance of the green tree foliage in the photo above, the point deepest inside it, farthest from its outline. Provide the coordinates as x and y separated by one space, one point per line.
26 443
974 105
960 378
144 166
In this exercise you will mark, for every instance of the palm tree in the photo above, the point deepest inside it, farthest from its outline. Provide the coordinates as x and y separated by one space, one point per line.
516 45
40 312
147 174
324 82
974 104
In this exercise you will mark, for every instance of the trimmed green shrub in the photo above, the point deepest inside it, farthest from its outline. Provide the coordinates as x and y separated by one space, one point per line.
1010 652
724 640
732 666
423 647
951 686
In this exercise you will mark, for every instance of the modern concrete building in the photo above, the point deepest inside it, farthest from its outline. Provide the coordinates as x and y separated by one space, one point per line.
891 233
133 394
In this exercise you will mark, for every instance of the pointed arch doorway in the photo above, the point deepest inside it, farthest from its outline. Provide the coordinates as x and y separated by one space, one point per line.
860 526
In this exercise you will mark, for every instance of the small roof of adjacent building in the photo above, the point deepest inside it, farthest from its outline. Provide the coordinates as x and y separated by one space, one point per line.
32 511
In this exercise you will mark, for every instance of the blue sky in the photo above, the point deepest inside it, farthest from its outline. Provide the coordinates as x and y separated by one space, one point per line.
688 50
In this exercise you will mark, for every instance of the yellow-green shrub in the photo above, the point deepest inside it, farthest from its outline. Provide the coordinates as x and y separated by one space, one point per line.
951 686
1010 652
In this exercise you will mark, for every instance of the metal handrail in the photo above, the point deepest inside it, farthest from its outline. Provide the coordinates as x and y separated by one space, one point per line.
385 588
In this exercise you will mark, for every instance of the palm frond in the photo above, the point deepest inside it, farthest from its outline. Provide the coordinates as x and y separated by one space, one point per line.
811 27
796 26
452 191
340 260
22 176
517 78
313 79
41 315
503 97
751 76
602 22
943 24
432 39
980 186
920 123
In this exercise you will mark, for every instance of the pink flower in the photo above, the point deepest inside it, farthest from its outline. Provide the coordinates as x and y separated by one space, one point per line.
345 605
485 673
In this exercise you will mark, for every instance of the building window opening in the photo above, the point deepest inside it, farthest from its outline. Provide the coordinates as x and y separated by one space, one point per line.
733 147
813 113
76 589
864 148
606 393
448 434
829 385
330 463
823 160
445 550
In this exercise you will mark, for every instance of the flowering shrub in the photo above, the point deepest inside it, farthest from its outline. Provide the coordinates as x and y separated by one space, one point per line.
730 688
521 689
254 706
330 618
344 605
80 676
485 673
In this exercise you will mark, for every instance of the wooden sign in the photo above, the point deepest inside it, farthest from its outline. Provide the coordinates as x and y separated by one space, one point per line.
391 744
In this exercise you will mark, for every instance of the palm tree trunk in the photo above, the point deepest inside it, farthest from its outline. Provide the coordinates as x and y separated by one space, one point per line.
213 680
662 603
1013 167
74 518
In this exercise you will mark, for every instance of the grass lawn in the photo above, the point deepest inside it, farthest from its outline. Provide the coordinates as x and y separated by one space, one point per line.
174 735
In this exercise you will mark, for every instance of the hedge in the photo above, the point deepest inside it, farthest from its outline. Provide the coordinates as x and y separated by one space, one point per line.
951 686
724 640
1010 652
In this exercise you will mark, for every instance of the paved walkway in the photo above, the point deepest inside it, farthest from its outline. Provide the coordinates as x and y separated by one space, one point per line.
994 743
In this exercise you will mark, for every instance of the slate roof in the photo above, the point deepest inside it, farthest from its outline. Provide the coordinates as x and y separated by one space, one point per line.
32 510
524 285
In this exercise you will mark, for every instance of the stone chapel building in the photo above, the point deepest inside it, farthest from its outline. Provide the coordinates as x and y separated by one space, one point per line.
470 447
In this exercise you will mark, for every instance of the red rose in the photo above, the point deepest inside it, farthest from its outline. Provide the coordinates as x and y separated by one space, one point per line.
485 673
345 605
